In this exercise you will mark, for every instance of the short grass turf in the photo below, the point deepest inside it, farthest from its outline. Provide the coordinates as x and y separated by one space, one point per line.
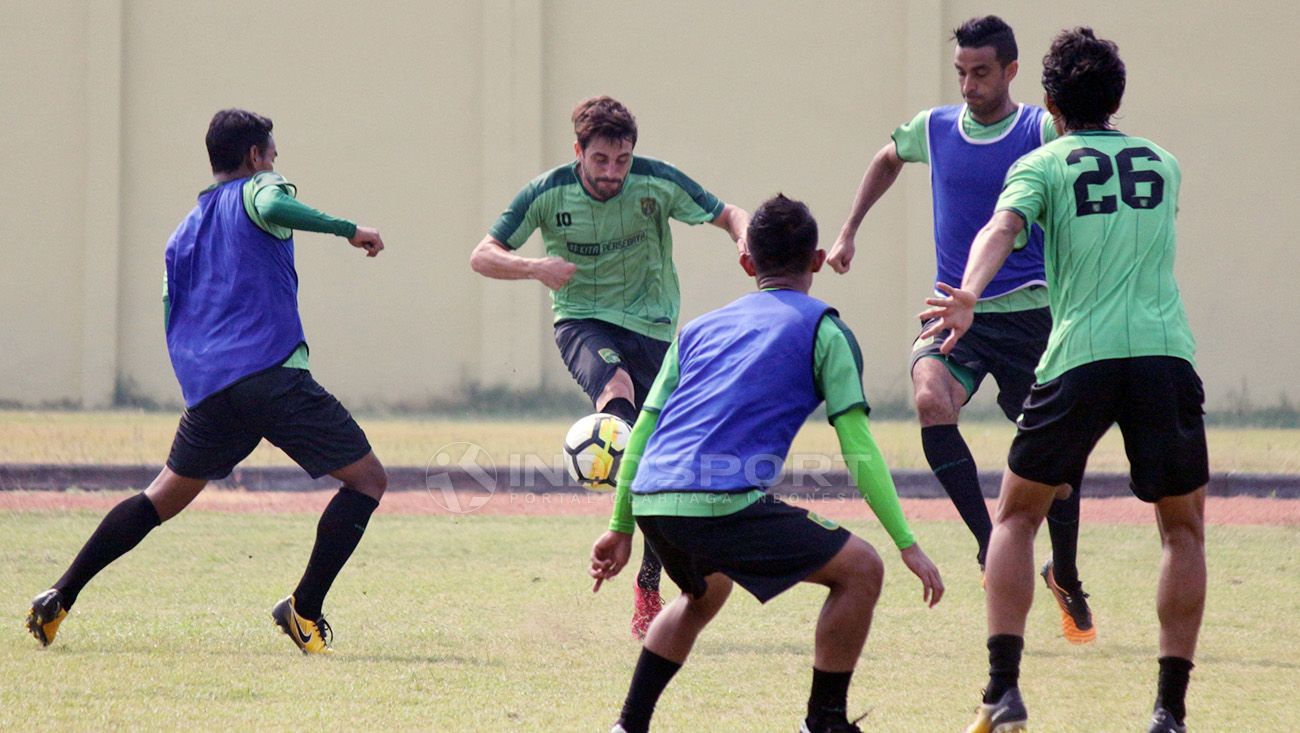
487 623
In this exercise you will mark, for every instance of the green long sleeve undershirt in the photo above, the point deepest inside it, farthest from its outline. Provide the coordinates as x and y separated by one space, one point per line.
276 207
865 462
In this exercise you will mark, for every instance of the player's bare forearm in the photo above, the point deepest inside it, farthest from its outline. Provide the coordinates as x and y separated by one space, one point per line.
955 310
990 249
880 175
491 258
735 222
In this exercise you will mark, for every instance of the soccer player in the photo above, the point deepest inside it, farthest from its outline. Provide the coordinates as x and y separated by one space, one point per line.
609 265
1120 352
238 349
969 148
735 387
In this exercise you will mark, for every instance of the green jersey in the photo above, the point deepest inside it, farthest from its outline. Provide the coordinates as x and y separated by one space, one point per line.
622 246
1107 203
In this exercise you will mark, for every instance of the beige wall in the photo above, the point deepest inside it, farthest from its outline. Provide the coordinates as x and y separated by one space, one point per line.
425 118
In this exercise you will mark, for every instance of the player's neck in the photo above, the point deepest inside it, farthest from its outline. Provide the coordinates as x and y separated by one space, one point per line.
799 283
242 171
1003 111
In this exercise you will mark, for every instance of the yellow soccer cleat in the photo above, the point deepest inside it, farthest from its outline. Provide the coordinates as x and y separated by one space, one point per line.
312 637
46 615
1007 715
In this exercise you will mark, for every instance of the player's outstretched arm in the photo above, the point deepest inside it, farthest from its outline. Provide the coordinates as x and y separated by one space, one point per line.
734 221
493 259
871 474
881 174
956 310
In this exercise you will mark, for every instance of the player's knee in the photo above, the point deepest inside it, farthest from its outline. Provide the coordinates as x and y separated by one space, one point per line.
866 570
373 481
935 407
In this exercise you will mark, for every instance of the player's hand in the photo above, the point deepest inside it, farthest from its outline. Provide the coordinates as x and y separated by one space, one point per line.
608 556
841 256
954 314
554 272
916 561
367 239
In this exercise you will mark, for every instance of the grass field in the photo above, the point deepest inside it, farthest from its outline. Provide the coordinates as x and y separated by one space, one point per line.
144 438
486 623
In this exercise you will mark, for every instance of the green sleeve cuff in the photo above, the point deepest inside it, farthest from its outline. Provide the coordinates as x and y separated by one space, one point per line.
871 474
621 520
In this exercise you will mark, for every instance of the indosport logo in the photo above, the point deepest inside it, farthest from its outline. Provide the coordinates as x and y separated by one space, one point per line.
461 477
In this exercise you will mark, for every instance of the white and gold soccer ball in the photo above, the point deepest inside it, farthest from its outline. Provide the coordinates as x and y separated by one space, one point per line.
593 448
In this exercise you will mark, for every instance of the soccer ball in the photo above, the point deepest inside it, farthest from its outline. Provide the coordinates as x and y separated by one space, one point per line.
593 448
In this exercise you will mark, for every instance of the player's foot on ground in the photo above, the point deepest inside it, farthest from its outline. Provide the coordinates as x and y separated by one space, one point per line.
1076 617
648 605
1007 715
310 636
45 616
1162 721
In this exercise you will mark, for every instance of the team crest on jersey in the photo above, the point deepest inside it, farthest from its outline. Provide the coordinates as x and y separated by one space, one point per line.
610 356
649 206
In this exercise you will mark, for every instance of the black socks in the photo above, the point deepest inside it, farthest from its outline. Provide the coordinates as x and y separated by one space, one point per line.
828 700
1063 527
337 535
953 465
652 675
1171 691
1004 665
120 531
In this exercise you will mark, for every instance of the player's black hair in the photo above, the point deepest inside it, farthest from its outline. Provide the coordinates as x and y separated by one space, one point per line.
782 237
1084 77
988 31
605 117
231 133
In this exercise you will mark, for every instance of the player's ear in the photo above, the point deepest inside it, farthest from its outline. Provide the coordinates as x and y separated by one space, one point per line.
818 259
577 149
1011 70
747 264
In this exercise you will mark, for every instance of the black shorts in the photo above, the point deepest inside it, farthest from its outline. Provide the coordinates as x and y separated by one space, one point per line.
767 547
285 406
1006 345
1157 402
594 350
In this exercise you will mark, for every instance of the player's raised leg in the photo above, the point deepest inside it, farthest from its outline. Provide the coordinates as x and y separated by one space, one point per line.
118 533
939 399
